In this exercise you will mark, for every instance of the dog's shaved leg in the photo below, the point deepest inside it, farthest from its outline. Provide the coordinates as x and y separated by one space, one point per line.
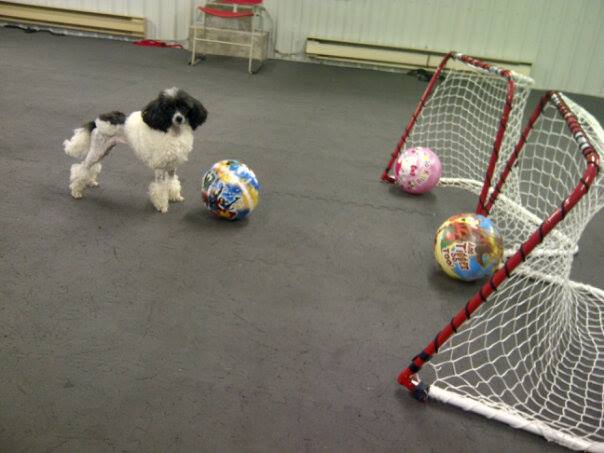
174 187
159 191
85 173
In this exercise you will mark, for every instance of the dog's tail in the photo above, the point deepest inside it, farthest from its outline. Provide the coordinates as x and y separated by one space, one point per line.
77 146
107 123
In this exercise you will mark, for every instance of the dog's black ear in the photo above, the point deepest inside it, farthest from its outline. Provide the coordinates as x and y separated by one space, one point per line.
158 114
197 113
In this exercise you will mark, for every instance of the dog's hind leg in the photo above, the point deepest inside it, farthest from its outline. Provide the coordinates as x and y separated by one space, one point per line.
159 191
85 173
94 173
174 187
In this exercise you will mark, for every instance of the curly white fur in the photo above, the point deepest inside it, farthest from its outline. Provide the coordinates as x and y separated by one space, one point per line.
159 194
162 140
174 189
105 127
157 149
79 144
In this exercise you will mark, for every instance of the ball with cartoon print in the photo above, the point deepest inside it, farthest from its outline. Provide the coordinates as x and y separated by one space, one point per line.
230 189
468 247
417 170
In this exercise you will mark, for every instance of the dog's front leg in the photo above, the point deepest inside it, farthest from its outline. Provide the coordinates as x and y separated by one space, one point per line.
174 187
159 190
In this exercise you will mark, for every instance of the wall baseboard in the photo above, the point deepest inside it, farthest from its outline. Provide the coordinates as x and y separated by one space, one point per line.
393 57
113 24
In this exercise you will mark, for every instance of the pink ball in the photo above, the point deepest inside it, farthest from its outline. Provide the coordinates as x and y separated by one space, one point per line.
417 170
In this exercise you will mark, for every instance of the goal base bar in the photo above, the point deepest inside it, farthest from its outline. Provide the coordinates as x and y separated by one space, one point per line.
514 420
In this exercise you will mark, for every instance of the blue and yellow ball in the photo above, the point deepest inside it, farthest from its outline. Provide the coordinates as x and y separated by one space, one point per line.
468 247
230 190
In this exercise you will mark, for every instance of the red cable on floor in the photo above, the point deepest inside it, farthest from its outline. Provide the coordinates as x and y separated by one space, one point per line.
153 43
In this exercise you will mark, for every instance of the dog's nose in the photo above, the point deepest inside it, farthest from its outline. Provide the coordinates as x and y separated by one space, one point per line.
179 119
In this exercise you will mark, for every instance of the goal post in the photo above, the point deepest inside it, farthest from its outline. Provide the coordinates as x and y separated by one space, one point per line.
532 356
469 113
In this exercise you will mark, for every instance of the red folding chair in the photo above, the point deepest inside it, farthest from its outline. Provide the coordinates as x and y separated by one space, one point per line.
229 10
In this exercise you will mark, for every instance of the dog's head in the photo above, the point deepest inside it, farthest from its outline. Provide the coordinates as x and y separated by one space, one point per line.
174 108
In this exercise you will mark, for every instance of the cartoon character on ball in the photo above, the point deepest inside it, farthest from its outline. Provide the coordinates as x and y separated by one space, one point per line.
417 170
230 190
468 247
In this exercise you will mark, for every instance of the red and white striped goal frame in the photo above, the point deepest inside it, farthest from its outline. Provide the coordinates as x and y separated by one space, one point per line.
407 377
506 74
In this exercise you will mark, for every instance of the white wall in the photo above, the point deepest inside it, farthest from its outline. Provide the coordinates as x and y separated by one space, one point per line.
167 19
560 37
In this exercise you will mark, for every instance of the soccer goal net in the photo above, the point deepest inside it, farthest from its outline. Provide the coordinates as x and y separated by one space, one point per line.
469 114
528 348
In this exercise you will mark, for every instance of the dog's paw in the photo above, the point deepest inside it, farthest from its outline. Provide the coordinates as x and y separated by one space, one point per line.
161 207
76 195
178 199
93 184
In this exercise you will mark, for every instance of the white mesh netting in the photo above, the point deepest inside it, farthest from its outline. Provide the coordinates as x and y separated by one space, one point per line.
533 354
461 118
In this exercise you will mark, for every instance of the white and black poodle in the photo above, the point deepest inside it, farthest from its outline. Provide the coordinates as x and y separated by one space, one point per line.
161 136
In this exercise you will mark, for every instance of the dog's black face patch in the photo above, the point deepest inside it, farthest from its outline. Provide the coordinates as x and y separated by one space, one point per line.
114 117
197 113
158 114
